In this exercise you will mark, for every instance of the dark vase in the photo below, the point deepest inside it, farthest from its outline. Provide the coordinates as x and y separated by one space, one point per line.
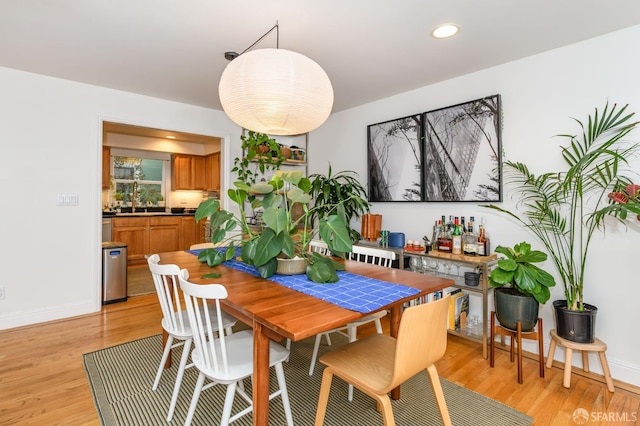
512 307
576 326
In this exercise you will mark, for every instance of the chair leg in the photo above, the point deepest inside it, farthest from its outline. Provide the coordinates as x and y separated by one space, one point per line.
432 372
228 403
378 326
194 399
165 356
176 387
323 397
352 332
314 355
284 394
384 405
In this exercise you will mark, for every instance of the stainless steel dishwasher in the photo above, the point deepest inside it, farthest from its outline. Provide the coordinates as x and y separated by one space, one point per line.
114 272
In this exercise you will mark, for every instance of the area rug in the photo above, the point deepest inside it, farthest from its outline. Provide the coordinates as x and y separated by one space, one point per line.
121 379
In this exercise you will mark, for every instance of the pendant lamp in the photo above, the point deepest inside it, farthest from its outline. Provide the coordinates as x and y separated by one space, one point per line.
275 91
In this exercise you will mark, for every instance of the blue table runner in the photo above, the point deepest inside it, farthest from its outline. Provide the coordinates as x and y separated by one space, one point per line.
354 292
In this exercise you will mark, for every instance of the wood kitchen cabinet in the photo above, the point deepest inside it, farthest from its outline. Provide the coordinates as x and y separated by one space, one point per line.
146 235
106 167
187 172
164 234
192 232
212 172
132 231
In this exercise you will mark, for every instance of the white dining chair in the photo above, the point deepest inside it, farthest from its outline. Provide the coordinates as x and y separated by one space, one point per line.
372 255
175 322
225 360
319 246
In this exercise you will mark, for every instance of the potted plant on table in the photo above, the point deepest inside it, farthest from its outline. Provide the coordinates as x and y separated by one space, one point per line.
564 208
340 188
281 234
520 286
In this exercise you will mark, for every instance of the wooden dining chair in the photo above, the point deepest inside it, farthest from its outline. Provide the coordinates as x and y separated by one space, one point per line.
379 363
225 360
350 330
175 322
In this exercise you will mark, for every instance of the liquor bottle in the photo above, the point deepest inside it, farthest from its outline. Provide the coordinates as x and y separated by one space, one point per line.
470 240
444 241
483 243
456 238
436 235
463 230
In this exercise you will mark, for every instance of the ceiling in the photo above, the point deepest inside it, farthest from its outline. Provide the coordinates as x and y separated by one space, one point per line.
370 49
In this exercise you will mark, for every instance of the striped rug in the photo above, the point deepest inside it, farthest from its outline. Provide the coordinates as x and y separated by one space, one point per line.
121 379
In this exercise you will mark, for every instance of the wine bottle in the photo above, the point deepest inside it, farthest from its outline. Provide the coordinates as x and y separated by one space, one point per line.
456 238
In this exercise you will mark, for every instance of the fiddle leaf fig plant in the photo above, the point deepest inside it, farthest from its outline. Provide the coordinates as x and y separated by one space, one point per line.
280 234
518 271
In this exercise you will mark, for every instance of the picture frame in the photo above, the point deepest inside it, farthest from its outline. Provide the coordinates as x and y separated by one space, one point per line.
394 159
462 152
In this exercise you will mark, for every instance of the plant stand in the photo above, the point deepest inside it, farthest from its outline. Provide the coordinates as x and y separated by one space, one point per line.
597 346
516 341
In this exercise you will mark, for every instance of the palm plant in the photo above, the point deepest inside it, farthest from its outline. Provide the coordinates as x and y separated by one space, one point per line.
563 209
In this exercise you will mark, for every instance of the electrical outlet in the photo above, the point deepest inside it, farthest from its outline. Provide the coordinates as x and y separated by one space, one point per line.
1 292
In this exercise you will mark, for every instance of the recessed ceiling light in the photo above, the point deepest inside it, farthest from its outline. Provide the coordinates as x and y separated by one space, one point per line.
445 30
171 137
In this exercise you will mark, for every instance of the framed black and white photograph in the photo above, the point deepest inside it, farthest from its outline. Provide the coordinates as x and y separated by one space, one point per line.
462 153
395 159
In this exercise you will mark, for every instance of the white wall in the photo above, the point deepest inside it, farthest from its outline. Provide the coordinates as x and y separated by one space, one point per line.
51 144
539 94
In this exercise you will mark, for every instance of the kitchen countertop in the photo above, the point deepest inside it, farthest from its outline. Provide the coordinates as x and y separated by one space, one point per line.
147 214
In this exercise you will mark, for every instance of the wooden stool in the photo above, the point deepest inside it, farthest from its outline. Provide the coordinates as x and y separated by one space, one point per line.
518 335
569 346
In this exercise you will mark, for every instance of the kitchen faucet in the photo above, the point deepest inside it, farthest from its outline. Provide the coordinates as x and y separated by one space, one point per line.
134 197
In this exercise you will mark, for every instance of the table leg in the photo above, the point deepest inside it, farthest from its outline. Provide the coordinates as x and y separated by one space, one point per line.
394 326
260 376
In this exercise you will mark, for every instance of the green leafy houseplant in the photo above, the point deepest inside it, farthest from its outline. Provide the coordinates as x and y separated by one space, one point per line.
341 188
517 271
281 233
260 154
564 208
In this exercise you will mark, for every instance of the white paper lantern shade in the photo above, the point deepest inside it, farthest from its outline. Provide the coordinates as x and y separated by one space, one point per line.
276 91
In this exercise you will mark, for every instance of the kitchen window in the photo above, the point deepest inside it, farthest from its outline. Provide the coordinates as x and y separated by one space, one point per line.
149 175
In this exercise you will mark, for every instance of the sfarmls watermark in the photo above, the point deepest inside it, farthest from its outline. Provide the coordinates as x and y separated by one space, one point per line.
582 416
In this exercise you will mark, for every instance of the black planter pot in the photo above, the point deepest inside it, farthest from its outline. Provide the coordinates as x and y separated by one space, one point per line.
512 307
576 326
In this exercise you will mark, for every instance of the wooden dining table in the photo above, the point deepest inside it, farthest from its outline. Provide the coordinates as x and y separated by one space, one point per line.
276 312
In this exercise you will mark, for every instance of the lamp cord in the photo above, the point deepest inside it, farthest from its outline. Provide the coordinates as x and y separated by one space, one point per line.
275 27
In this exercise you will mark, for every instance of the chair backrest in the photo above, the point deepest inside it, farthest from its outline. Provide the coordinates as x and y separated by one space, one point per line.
319 246
199 299
422 339
372 255
165 279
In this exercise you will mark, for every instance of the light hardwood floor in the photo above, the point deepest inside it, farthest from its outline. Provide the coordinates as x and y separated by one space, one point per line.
43 382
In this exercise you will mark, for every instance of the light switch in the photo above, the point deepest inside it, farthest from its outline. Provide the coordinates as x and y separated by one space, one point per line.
67 200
